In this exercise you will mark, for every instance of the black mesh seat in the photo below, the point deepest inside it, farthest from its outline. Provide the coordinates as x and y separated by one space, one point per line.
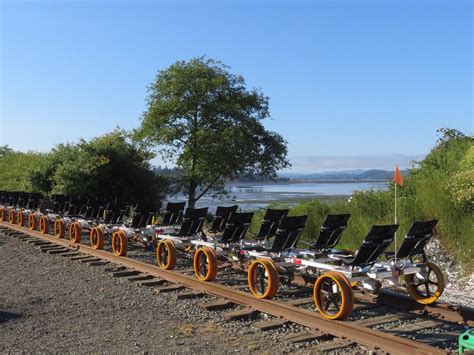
236 227
58 201
415 241
138 220
270 223
286 236
22 199
13 198
193 221
33 200
173 213
151 218
221 217
374 244
330 232
109 216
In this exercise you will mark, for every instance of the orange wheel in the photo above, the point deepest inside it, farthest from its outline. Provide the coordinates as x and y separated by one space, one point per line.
12 217
44 225
263 278
427 287
3 214
119 243
21 218
97 238
32 221
166 255
333 295
75 231
59 230
205 264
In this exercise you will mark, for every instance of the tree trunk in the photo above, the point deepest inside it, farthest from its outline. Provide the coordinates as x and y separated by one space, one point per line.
192 194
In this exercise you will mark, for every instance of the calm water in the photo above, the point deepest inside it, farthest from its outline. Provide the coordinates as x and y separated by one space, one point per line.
251 196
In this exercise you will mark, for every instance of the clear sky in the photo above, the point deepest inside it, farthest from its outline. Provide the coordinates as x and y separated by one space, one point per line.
351 83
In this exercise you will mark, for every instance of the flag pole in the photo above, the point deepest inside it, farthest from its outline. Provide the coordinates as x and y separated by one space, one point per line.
395 221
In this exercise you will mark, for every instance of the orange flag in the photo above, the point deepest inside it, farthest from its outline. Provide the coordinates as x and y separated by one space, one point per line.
398 177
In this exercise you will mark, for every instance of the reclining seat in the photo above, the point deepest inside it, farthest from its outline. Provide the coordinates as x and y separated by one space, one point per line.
138 220
22 200
236 227
270 223
221 217
415 241
286 237
330 232
13 198
151 220
58 202
193 221
87 209
33 200
109 215
173 213
374 244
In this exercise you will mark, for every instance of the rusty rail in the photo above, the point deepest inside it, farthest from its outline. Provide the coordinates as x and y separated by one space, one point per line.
361 335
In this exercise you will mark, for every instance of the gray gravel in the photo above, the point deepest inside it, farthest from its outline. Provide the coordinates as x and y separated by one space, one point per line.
49 303
52 304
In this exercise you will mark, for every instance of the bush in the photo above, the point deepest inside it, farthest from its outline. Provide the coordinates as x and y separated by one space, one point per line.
107 167
16 167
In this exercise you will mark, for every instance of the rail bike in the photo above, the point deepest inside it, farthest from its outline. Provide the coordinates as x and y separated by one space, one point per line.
336 272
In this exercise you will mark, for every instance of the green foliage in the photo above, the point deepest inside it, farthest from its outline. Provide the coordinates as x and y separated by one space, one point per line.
204 118
16 167
107 167
441 187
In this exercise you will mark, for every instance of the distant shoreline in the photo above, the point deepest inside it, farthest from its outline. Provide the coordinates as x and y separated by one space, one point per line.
302 181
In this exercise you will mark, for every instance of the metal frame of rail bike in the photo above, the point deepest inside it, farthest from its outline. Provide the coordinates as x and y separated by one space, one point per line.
336 274
212 249
178 239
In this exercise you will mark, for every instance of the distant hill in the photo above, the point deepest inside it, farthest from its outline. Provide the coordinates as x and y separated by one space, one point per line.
355 175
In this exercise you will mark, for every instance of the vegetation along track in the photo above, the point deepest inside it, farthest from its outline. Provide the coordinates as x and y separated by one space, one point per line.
366 331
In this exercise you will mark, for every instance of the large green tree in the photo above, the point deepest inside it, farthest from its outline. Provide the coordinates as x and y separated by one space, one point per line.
107 167
205 120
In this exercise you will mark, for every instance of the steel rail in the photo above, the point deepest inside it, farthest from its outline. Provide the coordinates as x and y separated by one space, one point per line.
361 335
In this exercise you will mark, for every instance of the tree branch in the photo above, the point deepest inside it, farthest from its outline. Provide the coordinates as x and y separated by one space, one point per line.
208 187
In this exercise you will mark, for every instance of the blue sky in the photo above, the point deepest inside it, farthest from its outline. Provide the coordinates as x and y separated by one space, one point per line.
352 83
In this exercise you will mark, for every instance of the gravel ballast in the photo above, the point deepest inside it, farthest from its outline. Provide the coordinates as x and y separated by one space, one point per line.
49 303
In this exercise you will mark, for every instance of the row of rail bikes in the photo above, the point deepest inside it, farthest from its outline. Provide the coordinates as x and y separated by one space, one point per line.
16 206
138 228
272 257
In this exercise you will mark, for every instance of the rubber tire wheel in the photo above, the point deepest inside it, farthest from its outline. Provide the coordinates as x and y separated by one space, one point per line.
75 231
58 227
347 299
420 298
122 241
3 214
211 260
44 225
20 218
168 247
12 217
273 278
32 222
97 238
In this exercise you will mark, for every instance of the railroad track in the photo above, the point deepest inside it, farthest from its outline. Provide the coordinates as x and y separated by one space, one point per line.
365 331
